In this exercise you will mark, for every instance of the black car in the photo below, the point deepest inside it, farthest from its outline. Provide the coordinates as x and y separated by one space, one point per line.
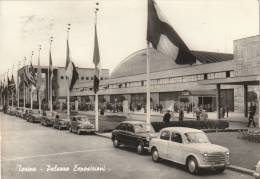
133 134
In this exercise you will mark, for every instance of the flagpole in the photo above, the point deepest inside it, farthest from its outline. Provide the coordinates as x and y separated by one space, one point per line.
24 88
12 91
96 94
68 89
50 79
17 92
39 90
31 86
148 90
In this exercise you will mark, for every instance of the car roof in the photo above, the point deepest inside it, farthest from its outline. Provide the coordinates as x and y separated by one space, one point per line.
134 122
80 116
181 129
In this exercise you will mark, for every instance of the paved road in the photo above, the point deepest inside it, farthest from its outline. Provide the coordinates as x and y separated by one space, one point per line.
30 146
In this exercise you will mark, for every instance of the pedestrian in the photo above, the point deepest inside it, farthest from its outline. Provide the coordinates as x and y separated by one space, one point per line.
197 112
252 111
166 117
224 111
227 109
204 116
181 114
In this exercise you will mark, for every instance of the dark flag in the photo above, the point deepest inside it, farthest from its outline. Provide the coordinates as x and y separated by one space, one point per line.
32 75
25 77
96 61
50 67
164 38
11 85
39 75
71 71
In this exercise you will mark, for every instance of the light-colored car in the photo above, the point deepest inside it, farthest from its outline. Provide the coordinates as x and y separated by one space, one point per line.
11 110
47 118
61 121
190 147
18 112
34 115
81 124
257 170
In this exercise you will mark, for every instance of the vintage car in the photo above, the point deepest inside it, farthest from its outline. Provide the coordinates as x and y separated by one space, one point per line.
47 118
256 173
190 147
61 121
80 123
133 134
19 111
34 115
11 110
25 113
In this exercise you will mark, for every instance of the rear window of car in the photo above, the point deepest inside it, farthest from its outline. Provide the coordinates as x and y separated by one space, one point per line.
165 135
123 127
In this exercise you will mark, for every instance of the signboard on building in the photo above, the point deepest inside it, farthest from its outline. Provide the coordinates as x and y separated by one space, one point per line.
185 93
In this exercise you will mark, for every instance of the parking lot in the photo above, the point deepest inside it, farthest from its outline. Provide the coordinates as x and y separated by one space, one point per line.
30 150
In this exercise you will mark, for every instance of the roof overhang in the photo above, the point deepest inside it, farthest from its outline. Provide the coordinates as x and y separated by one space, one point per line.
240 80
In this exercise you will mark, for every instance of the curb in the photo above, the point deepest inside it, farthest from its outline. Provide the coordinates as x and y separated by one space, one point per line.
241 170
223 130
102 135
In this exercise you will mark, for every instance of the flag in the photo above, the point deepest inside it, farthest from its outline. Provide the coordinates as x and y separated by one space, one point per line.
39 75
11 85
32 76
71 71
164 38
50 67
25 77
96 61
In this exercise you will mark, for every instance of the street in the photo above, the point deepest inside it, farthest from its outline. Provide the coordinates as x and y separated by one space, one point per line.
30 150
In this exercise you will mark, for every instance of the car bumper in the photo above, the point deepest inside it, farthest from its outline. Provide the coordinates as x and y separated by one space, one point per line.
63 126
214 165
86 130
256 175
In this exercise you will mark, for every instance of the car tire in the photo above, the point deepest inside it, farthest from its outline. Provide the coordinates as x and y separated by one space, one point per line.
41 123
115 142
92 132
193 166
78 132
70 129
155 155
59 127
220 170
140 148
53 126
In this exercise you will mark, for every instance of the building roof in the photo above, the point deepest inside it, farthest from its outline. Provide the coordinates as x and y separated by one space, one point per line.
135 64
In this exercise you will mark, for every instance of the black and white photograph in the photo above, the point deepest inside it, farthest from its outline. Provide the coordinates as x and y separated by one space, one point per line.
133 89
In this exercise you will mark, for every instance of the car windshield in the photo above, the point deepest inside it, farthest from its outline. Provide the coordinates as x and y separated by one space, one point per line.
49 114
64 116
139 128
196 137
83 119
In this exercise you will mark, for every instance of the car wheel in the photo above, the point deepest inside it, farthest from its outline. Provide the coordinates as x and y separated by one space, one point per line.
139 148
220 170
115 142
78 132
92 132
59 127
70 129
155 155
41 123
192 165
53 126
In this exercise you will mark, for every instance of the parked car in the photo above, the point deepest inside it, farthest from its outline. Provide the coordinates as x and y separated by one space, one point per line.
133 134
80 123
11 110
257 170
19 112
61 121
47 118
190 147
34 115
25 113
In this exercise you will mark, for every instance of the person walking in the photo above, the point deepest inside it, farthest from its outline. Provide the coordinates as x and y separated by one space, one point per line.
197 111
166 117
252 111
227 109
204 116
181 114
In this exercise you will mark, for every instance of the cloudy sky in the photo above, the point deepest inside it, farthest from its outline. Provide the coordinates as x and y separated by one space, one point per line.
205 25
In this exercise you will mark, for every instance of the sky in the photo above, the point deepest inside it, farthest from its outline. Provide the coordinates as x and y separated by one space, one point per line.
204 25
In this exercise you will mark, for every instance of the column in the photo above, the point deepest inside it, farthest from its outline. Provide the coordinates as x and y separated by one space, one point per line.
218 101
245 101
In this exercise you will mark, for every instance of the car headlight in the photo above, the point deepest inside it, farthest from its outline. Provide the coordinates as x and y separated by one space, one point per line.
205 154
148 138
62 123
227 153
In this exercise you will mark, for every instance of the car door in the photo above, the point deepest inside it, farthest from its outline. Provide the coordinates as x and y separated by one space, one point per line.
122 133
130 136
163 143
175 147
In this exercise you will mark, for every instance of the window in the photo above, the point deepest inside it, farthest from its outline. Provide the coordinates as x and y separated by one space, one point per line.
61 77
66 77
101 78
165 135
205 77
123 127
176 138
74 119
87 78
227 74
92 78
82 78
130 128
